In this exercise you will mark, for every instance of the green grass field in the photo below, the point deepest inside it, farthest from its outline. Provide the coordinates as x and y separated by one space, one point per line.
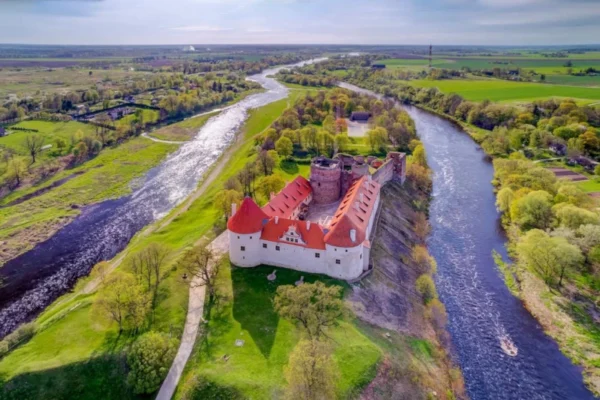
506 91
182 131
50 130
255 370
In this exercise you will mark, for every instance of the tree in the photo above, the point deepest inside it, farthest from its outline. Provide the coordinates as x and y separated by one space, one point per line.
311 372
377 139
284 147
341 142
247 176
147 265
419 157
123 301
80 151
16 171
33 144
504 199
422 227
534 210
424 262
225 198
203 264
315 306
548 257
573 217
419 176
266 161
101 270
149 360
270 184
426 288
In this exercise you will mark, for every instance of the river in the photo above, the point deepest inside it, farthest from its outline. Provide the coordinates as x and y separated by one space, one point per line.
465 230
36 278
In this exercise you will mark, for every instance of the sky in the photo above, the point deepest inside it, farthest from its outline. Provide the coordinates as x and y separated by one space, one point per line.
466 22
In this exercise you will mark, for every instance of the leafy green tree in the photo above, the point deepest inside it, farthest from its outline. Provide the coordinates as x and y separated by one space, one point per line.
16 170
33 144
225 198
311 372
573 217
419 156
149 360
426 288
315 306
284 147
377 139
425 263
342 141
147 265
548 257
270 184
534 210
504 199
123 301
204 265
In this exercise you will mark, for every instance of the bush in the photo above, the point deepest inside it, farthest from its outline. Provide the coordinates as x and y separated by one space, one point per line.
21 335
426 288
149 359
206 390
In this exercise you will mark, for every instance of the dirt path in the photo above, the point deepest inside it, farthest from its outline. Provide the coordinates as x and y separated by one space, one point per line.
192 325
146 136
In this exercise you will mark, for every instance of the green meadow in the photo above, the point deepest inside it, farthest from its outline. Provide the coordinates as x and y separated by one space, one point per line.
49 130
507 91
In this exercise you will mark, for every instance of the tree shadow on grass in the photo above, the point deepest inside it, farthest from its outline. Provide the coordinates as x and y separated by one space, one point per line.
253 296
98 378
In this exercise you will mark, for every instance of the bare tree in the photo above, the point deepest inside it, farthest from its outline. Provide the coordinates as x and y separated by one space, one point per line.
203 265
33 144
147 265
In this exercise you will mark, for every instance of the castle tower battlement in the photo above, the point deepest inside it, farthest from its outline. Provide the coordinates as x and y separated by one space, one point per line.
325 180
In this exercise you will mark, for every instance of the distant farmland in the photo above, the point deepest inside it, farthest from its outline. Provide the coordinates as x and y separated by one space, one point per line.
498 90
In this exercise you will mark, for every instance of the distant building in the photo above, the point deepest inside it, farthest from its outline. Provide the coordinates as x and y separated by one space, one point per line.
299 229
377 66
360 116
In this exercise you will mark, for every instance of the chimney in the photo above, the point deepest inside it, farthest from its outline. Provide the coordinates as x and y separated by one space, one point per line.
307 225
276 220
233 209
353 235
272 195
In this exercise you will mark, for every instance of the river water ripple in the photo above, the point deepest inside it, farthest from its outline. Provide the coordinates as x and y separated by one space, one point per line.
465 230
34 279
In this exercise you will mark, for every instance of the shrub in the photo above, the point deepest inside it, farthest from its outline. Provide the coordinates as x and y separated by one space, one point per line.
426 288
21 335
149 359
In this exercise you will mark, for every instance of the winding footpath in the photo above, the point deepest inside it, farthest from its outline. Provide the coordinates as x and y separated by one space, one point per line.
219 248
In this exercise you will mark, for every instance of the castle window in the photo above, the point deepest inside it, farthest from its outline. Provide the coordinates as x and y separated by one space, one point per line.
346 250
277 248
264 245
317 255
250 237
243 248
296 240
361 256
338 262
238 237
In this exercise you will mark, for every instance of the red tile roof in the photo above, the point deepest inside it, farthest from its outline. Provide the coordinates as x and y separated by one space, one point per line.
248 219
354 212
290 197
313 236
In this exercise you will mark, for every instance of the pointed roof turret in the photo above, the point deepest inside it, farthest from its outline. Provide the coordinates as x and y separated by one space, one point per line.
248 219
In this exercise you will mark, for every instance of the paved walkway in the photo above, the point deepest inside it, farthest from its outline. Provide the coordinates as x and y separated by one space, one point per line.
192 324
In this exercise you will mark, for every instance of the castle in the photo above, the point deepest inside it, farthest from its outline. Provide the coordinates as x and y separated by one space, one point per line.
322 225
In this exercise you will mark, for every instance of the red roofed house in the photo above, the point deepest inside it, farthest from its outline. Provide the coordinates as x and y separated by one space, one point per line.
274 235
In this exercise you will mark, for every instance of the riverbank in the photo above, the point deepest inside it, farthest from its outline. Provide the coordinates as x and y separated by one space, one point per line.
70 340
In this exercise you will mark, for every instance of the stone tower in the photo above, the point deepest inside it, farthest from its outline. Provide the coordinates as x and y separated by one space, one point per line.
325 180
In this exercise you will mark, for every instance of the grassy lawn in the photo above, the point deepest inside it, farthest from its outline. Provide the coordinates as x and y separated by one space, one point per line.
49 130
592 185
499 90
255 370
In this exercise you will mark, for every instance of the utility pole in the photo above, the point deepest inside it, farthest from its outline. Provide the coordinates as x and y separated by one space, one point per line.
430 48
